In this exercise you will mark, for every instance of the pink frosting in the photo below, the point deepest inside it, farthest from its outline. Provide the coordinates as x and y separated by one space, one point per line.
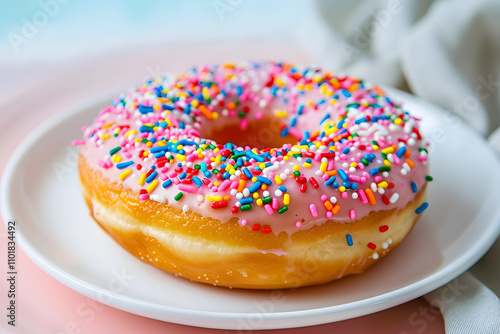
363 125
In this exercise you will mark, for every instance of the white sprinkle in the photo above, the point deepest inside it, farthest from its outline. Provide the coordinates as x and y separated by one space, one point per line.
375 256
394 198
354 195
201 198
158 198
278 193
333 199
185 208
385 245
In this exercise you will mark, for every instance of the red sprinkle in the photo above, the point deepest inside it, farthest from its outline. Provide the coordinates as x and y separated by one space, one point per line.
314 182
266 229
234 209
255 227
217 205
383 228
303 187
301 179
371 246
385 199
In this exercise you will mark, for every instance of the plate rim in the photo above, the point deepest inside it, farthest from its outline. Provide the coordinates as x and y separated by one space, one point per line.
297 318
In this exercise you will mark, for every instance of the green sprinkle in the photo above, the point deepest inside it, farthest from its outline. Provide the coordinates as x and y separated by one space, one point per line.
365 162
283 209
241 114
384 156
384 168
216 171
144 140
297 155
267 200
429 178
114 150
374 142
246 207
296 173
178 196
237 102
236 156
197 166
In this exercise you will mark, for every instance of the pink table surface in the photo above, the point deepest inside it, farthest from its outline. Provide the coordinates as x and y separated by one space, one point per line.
43 90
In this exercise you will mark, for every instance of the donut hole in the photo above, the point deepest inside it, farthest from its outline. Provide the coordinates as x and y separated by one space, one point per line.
259 134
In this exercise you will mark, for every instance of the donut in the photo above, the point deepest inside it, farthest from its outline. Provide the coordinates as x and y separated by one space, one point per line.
263 175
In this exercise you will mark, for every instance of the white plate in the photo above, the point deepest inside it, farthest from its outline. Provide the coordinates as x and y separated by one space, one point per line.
40 190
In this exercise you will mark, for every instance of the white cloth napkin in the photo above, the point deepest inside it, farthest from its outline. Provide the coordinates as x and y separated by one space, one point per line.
447 52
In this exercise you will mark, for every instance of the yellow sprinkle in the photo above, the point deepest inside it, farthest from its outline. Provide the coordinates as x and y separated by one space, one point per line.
215 115
156 107
145 153
255 195
254 179
309 87
149 144
180 157
216 183
342 188
259 202
286 158
383 184
279 82
123 176
152 186
278 180
281 113
142 179
300 86
131 132
354 164
398 121
286 199
214 198
137 140
307 165
388 150
375 147
116 158
218 158
323 166
333 102
104 137
296 167
387 162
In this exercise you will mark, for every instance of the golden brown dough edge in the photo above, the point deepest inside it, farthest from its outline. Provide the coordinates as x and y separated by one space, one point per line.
226 254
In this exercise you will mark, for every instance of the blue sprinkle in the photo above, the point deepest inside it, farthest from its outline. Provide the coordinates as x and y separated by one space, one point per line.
247 173
361 120
422 208
203 166
255 187
167 107
264 180
354 186
207 174
145 109
252 155
157 149
151 177
330 180
349 240
283 189
346 150
197 181
145 128
294 121
414 187
344 176
124 164
347 184
301 109
335 185
167 183
401 151
160 154
226 175
345 93
374 171
284 132
247 200
239 90
182 175
327 116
